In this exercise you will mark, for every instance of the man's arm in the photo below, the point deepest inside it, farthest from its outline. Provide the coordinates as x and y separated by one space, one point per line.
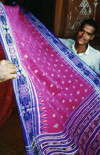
96 65
63 40
7 70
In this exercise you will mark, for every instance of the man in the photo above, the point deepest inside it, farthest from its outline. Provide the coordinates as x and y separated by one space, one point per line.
81 47
7 70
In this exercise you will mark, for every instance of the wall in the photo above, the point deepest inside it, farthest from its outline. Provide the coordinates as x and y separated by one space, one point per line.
42 9
63 17
2 1
70 13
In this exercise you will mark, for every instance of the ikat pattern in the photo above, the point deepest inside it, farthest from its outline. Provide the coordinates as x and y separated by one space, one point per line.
56 93
22 83
65 52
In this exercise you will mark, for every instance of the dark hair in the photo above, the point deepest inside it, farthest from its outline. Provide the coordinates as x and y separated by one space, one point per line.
90 22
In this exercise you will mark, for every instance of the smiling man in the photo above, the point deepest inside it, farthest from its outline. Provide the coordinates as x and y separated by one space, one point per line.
81 47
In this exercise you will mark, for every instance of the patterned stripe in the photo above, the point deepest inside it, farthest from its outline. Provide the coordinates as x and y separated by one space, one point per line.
78 132
91 138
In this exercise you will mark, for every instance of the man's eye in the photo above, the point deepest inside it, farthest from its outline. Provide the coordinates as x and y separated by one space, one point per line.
81 30
89 34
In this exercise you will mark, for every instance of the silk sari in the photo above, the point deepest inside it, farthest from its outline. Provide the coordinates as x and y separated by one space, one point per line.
57 94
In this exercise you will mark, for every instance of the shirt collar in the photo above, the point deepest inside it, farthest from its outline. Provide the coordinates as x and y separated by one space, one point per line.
86 52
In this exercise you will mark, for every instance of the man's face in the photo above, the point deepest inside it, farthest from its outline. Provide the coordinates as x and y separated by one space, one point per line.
85 34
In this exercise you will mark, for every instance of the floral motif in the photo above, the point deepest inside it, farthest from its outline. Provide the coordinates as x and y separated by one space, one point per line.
12 51
1 10
91 77
23 91
28 126
75 60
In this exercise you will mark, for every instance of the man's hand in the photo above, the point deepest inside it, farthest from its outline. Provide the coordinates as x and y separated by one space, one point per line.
98 75
7 70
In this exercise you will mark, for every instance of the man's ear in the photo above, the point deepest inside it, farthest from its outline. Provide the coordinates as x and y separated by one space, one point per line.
92 37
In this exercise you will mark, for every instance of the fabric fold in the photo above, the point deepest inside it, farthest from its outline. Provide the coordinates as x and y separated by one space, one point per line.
57 94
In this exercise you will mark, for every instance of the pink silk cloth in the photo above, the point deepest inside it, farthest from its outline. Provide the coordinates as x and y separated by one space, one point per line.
52 76
57 94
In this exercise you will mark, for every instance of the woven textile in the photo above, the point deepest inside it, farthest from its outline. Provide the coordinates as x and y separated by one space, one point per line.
57 94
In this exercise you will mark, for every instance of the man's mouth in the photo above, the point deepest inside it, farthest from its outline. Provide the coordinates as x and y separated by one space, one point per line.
81 39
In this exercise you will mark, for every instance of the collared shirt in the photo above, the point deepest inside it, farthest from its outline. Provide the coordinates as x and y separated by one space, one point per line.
90 57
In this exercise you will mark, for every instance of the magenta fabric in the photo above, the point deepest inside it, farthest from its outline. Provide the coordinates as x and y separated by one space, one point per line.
57 94
50 74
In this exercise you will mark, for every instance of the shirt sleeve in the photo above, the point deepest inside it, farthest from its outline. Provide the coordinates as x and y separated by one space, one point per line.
96 66
64 41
